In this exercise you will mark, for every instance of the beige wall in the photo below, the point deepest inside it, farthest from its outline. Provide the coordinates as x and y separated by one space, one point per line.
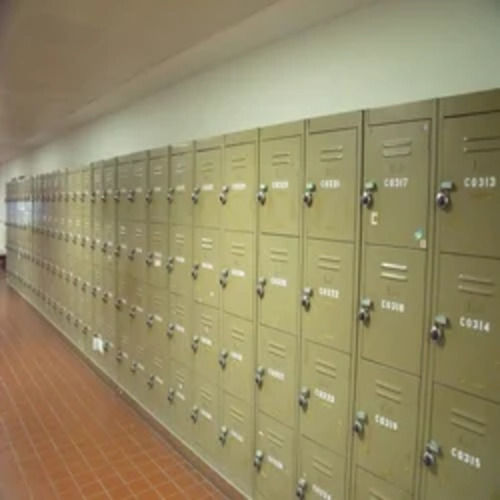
389 52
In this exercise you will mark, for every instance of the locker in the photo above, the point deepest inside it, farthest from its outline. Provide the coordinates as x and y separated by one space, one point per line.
121 249
206 186
156 255
461 456
179 399
468 194
109 187
281 166
137 243
205 418
205 269
179 329
205 343
328 293
123 185
275 375
156 195
324 396
237 357
332 168
392 306
385 423
396 177
236 439
236 277
239 181
155 324
179 262
136 194
181 184
465 324
155 382
274 459
277 284
321 472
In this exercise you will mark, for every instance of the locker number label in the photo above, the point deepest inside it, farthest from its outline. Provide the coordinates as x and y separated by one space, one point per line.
331 293
393 306
483 182
475 324
386 422
329 184
466 458
396 182
321 492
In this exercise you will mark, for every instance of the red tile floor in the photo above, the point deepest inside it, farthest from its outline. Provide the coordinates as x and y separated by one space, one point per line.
65 434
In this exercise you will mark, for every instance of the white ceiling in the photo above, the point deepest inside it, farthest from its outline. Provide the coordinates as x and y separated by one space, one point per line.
65 62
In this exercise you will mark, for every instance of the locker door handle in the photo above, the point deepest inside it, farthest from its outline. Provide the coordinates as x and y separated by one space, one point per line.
308 194
223 278
104 196
364 311
150 321
360 421
131 254
195 271
149 196
261 283
170 264
116 195
304 396
195 195
170 195
131 195
105 346
223 194
261 194
436 332
195 343
150 259
194 414
258 459
151 381
259 376
118 250
224 431
132 311
170 330
443 196
171 395
432 450
223 358
300 490
307 294
133 366
367 195
119 356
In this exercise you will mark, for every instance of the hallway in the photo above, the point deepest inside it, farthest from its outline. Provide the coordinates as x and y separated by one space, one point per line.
65 434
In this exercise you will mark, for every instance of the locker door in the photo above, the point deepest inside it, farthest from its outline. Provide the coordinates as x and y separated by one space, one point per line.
179 397
237 194
205 270
181 185
396 180
156 255
136 250
278 282
136 195
205 343
469 195
370 487
179 262
392 307
179 328
156 196
124 184
328 293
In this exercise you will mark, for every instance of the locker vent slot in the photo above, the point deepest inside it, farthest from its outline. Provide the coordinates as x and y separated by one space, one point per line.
375 495
388 391
236 414
237 334
392 271
207 322
207 243
276 350
237 249
329 263
279 255
239 161
490 144
179 239
275 438
326 368
321 467
468 422
281 159
475 285
397 147
334 153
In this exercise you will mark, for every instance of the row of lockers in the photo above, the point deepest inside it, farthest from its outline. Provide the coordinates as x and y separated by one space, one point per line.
298 291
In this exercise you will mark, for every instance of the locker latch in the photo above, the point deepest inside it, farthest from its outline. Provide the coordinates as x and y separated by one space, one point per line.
119 303
308 194
119 356
92 244
258 459
364 310
223 194
151 381
74 196
131 253
224 431
360 420
131 195
443 198
223 277
223 358
195 195
437 330
261 283
104 196
132 311
150 259
76 323
104 246
170 195
367 195
105 297
133 366
170 264
118 250
195 343
259 375
261 194
171 394
307 293
194 414
300 490
105 346
150 320
170 330
83 242
304 396
75 239
82 197
94 291
432 450
149 196
194 271
116 195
